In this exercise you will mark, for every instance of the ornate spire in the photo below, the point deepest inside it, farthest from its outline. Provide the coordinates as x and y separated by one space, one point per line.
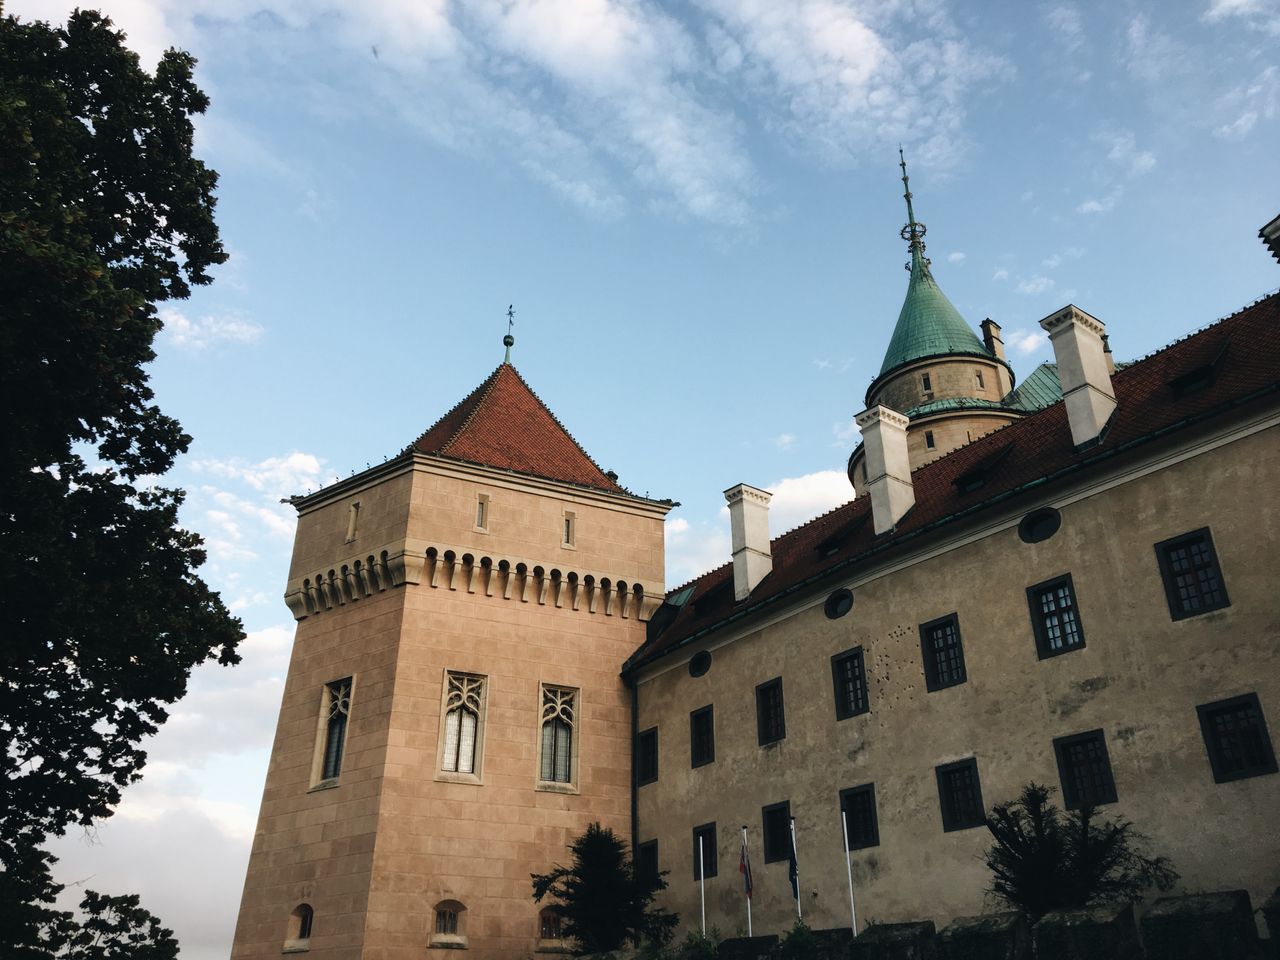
914 231
509 341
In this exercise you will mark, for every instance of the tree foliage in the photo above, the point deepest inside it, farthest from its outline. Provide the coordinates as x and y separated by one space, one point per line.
104 213
600 900
1045 860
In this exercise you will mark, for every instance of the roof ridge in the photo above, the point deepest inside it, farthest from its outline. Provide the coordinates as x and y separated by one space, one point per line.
486 385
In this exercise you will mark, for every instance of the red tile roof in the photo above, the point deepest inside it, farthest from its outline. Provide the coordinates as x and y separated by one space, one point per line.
503 424
1201 376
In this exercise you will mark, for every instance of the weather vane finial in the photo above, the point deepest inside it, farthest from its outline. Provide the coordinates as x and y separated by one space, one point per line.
914 231
509 341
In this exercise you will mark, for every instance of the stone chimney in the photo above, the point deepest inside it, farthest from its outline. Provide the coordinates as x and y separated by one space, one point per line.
991 338
884 438
749 523
1079 347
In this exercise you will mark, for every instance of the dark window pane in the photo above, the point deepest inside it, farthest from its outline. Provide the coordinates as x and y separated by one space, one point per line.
849 676
942 652
702 737
646 862
337 711
859 807
1084 769
1055 617
770 719
777 832
707 835
1236 737
960 795
1192 578
647 756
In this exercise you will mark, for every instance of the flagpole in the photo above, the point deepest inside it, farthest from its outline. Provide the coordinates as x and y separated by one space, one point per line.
747 865
702 884
848 866
796 860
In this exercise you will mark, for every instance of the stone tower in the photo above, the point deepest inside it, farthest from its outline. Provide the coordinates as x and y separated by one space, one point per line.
453 713
951 385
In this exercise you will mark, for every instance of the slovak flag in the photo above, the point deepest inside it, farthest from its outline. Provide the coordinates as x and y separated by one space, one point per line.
744 868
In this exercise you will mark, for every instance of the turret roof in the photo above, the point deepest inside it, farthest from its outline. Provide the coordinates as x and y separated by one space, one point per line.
928 324
503 423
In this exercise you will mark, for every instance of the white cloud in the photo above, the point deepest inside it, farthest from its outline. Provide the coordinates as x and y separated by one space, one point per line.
1261 15
1065 20
1035 285
1122 150
1103 204
197 334
694 549
784 441
1258 99
797 500
277 477
1025 342
822 364
844 432
957 257
1001 274
1052 262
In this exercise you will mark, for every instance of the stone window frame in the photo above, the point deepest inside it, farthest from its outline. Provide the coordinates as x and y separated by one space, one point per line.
482 517
1040 618
573 719
647 756
952 818
569 532
301 924
858 841
1075 793
1168 575
777 849
327 707
928 654
460 695
449 925
707 831
695 716
551 938
861 700
765 727
929 442
1266 763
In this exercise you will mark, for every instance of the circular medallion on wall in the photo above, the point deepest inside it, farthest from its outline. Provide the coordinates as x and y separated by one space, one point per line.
838 604
1039 525
700 663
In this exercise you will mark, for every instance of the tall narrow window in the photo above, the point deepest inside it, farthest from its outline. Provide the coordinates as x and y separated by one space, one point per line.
353 521
849 676
1235 735
928 440
776 820
1055 618
858 805
1192 578
464 696
960 795
647 756
556 763
925 382
704 851
702 737
482 512
570 528
299 935
943 655
1085 770
771 724
978 373
337 710
646 862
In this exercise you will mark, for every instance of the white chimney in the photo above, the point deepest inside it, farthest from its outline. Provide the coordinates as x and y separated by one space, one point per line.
1079 348
749 523
884 439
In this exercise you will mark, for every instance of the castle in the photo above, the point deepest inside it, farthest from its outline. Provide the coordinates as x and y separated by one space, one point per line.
1069 580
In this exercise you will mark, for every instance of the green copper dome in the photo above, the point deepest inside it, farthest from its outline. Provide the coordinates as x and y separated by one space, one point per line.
928 324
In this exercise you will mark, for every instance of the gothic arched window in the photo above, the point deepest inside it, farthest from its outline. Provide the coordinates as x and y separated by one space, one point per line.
461 722
556 760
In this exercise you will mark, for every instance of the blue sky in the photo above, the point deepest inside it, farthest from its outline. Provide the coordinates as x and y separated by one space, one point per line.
694 208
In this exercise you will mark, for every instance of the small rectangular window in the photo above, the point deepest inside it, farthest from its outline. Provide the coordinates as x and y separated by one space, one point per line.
706 836
849 676
777 831
858 806
1084 770
353 521
646 861
1236 737
942 652
1055 617
1192 578
570 525
702 737
960 795
771 725
482 512
337 711
928 440
647 756
979 375
925 382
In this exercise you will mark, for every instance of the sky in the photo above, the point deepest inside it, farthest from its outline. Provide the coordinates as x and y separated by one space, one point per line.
694 208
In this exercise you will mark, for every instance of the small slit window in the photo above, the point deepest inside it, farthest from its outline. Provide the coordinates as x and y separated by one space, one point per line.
353 521
570 529
482 513
928 440
926 383
978 374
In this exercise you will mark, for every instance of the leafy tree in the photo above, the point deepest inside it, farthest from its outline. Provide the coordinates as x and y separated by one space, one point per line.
600 900
1045 860
117 928
104 213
